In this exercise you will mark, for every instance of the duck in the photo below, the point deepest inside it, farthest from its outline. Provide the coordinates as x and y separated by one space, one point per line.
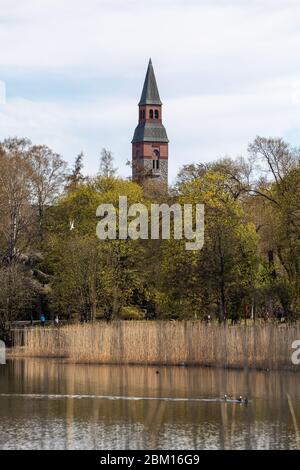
243 400
240 399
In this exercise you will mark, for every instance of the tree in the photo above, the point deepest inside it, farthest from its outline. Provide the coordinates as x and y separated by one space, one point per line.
76 178
278 185
189 173
77 288
106 167
16 296
91 277
48 176
220 278
236 174
18 216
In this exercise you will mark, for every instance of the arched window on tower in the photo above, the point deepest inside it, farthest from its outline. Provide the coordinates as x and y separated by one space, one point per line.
151 114
155 162
143 114
156 114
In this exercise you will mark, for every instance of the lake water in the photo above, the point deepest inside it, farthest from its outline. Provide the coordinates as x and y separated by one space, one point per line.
49 404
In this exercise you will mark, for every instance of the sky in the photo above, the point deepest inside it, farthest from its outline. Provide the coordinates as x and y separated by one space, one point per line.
73 72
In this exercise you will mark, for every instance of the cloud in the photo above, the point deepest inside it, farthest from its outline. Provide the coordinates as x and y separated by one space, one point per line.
70 128
226 71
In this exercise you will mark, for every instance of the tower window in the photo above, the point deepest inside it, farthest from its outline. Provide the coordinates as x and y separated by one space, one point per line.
156 114
151 113
155 162
143 114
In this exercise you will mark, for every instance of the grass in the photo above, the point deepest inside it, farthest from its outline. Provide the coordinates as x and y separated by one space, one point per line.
265 346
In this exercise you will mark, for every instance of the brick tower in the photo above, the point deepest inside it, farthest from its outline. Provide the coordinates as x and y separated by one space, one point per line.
150 140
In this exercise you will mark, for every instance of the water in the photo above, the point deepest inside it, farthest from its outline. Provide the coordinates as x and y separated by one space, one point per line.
49 404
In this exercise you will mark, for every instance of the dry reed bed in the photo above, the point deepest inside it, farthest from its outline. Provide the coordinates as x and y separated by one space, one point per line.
162 342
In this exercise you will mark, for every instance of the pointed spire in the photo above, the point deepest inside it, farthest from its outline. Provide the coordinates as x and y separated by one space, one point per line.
150 93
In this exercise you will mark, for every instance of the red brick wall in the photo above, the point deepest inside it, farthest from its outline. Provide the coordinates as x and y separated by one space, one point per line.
145 150
147 109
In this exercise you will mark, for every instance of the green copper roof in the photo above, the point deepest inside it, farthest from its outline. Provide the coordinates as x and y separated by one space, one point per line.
150 93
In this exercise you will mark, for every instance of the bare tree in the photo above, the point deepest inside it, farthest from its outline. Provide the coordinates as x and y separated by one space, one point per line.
17 214
106 167
190 172
48 176
273 156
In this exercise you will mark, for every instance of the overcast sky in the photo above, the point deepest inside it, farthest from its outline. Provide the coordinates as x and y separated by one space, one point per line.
74 70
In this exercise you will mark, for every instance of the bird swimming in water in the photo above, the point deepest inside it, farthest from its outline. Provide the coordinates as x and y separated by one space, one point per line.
243 400
240 399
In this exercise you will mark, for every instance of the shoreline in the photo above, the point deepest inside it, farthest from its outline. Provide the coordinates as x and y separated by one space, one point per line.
180 344
68 360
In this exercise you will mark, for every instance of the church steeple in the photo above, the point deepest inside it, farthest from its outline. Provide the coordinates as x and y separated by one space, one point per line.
150 93
150 140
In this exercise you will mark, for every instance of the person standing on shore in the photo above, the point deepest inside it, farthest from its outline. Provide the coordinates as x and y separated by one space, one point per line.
56 321
42 319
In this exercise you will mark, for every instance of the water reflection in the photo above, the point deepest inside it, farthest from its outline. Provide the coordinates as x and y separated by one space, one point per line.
55 405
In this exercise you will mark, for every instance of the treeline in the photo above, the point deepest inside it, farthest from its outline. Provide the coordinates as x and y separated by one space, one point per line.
52 262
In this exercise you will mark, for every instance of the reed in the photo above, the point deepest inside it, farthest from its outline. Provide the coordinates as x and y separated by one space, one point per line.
265 346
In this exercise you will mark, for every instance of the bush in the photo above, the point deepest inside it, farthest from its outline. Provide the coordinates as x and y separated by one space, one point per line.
131 312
